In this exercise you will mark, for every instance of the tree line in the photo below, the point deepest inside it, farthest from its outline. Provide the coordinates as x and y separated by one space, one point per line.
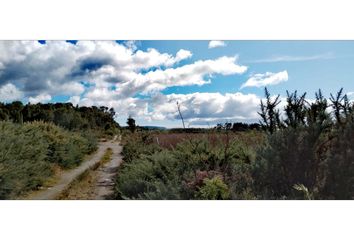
65 115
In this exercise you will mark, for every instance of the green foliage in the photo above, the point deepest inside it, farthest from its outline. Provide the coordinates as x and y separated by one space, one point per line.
150 172
307 153
311 147
28 153
23 164
136 145
62 114
151 177
339 163
213 189
269 112
131 124
64 148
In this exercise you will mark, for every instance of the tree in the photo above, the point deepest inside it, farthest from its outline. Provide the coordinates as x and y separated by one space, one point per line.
180 114
131 124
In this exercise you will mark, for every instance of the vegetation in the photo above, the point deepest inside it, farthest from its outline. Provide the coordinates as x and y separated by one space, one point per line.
65 115
195 168
131 124
303 151
36 140
30 152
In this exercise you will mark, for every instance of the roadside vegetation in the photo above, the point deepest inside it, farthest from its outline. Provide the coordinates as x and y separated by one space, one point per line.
37 141
303 151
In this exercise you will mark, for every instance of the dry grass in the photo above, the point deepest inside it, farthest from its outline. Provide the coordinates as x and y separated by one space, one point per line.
170 140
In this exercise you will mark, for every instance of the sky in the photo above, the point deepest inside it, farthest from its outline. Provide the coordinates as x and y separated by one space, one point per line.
213 81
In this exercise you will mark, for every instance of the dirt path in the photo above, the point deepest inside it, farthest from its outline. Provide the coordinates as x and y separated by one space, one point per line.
107 172
69 176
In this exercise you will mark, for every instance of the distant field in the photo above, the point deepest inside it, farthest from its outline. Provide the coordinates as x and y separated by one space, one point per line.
170 140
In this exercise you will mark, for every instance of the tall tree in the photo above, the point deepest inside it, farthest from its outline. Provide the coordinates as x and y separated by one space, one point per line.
131 124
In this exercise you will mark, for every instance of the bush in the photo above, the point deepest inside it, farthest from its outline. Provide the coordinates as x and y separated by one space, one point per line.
23 160
213 189
137 144
149 177
150 172
310 148
339 163
65 148
28 153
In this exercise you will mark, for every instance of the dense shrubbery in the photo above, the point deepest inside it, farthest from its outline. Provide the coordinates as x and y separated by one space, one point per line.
195 169
28 153
310 145
307 153
35 138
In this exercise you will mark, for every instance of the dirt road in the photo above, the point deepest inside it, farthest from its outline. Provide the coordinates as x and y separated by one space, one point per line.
105 184
107 172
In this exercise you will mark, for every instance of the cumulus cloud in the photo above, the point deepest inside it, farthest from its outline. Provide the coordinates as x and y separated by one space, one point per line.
197 108
40 98
268 78
58 67
9 92
216 43
183 54
113 74
190 74
202 108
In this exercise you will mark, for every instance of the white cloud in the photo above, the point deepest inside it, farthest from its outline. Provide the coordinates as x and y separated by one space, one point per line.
58 67
268 78
201 108
111 74
75 100
40 98
9 92
197 108
285 58
216 43
191 74
183 54
153 58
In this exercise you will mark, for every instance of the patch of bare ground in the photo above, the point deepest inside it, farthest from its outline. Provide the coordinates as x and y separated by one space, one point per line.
84 187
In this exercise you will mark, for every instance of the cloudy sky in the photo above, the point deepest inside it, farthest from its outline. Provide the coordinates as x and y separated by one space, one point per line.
214 81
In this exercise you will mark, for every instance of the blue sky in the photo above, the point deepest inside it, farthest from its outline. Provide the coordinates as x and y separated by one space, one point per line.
214 81
334 67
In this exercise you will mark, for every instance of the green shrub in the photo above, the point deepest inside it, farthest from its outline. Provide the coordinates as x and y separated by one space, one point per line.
65 148
147 177
213 189
339 163
137 144
152 173
23 164
28 153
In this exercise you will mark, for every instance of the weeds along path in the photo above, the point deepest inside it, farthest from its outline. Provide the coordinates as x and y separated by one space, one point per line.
68 177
